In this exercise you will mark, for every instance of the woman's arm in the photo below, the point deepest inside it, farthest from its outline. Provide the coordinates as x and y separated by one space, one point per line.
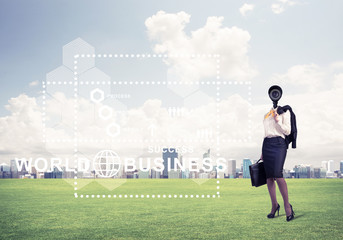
284 122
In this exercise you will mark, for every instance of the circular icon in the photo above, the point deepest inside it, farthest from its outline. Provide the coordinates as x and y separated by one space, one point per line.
106 163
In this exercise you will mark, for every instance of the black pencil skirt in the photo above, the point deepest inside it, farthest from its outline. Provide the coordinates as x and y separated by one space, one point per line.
274 152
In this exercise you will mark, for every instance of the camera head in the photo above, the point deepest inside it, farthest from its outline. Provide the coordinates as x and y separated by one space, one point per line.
275 93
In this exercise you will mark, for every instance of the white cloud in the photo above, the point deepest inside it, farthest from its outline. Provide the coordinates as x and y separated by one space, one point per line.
338 80
167 31
23 124
320 128
21 131
281 5
34 83
246 8
309 75
317 105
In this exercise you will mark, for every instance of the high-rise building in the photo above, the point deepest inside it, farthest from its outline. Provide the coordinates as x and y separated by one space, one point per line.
4 167
13 166
206 154
15 171
246 164
71 174
330 169
316 172
155 174
143 174
301 171
309 171
5 171
48 174
204 175
231 168
174 173
286 173
325 165
322 172
331 166
213 174
34 172
168 153
185 174
341 166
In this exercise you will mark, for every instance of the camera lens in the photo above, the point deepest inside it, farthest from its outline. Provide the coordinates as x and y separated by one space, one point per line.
275 94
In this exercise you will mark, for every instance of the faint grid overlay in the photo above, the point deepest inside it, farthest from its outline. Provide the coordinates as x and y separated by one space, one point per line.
73 70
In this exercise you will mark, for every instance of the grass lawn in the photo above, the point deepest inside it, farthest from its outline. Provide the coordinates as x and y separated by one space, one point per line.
47 209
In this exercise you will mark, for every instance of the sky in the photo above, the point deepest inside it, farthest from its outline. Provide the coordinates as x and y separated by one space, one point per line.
296 44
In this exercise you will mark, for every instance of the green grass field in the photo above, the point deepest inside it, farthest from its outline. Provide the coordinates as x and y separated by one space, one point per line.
47 209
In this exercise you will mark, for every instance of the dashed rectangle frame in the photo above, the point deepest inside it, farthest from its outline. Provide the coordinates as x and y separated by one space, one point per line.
75 139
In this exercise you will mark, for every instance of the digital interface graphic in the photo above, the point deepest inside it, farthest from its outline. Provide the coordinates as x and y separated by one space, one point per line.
167 126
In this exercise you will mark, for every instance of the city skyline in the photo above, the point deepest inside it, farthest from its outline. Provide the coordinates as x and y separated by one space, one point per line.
169 156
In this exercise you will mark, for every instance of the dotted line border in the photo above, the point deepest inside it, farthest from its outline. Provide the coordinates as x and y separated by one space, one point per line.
152 196
143 55
128 140
76 83
218 118
76 107
149 83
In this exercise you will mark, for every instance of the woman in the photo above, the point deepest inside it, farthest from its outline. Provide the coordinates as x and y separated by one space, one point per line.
274 152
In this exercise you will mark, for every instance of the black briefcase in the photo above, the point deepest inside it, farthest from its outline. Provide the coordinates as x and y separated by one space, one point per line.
257 174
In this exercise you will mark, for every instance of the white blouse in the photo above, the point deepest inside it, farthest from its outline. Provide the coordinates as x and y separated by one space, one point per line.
280 128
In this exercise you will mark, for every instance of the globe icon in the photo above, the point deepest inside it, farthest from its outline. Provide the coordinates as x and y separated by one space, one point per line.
106 163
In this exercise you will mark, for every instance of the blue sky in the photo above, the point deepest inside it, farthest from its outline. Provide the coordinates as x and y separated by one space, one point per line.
294 46
33 32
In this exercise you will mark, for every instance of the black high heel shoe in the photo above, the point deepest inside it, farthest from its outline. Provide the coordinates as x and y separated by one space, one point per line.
272 215
290 217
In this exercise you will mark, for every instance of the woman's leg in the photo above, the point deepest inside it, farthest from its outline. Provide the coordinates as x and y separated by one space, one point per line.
272 193
284 192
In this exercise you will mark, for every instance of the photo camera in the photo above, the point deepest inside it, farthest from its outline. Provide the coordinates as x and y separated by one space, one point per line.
275 93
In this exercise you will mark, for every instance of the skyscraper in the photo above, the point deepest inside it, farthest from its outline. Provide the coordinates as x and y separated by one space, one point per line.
168 153
301 171
331 166
5 171
206 154
155 174
325 165
4 167
341 166
15 171
174 173
231 168
13 166
246 164
316 172
185 174
143 174
330 169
